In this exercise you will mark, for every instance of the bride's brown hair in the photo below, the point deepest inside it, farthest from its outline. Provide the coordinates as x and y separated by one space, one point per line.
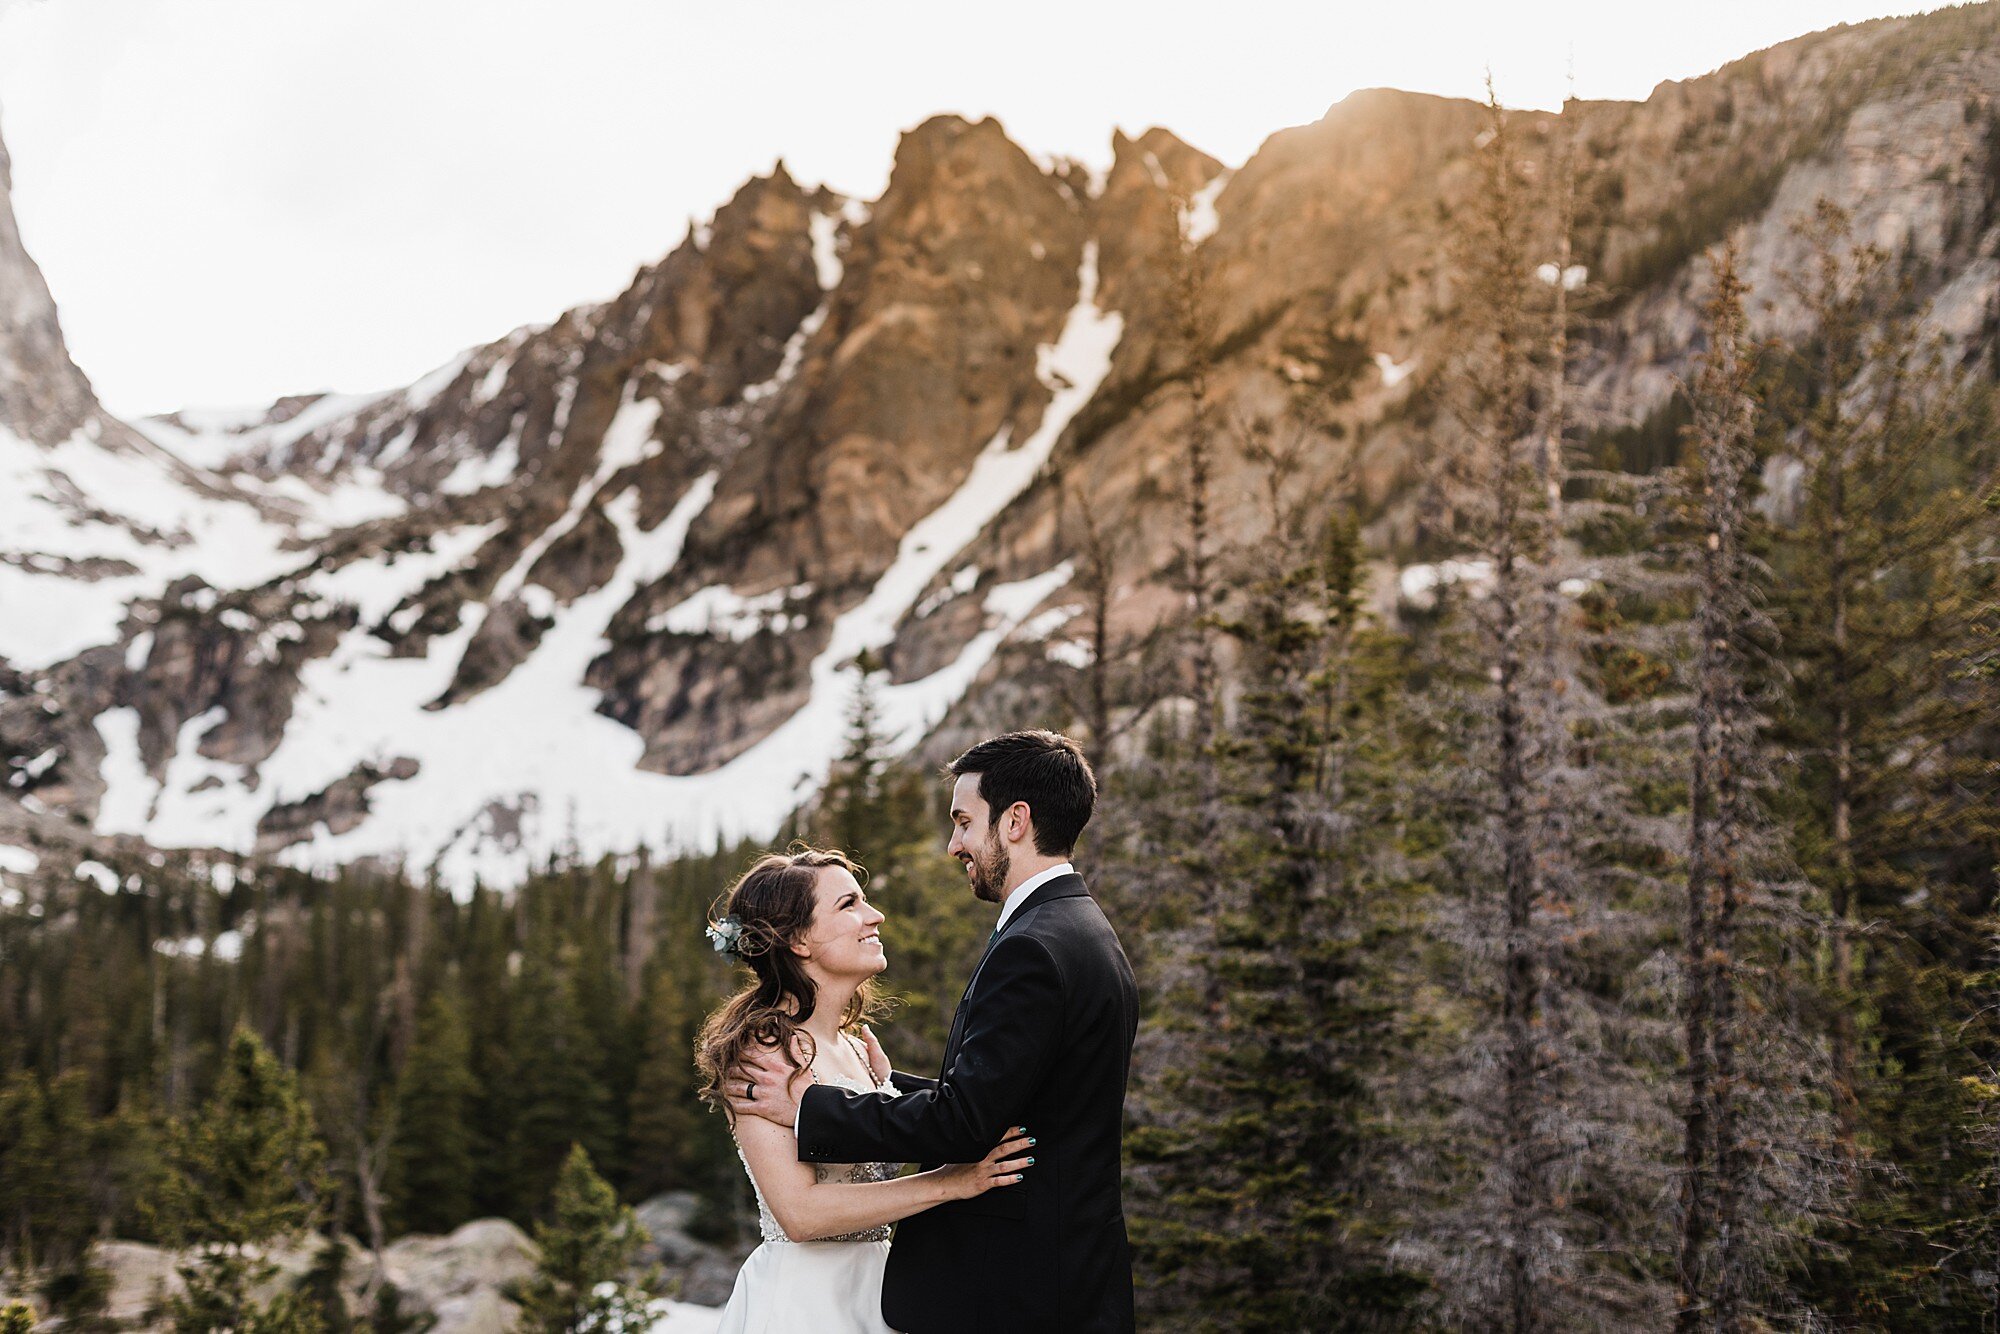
773 902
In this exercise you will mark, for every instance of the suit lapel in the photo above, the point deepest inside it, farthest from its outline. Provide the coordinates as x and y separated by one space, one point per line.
1062 887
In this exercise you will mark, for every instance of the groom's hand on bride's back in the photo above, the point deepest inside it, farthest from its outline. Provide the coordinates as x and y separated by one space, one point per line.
768 1086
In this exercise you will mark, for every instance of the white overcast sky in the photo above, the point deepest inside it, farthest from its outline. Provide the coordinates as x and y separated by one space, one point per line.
237 199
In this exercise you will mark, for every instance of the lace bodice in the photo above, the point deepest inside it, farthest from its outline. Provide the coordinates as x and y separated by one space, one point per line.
853 1173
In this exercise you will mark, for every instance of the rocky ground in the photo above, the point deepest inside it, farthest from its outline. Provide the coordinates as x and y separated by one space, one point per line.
461 1278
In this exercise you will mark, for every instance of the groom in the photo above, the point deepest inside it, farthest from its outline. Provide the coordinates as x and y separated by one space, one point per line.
1042 1040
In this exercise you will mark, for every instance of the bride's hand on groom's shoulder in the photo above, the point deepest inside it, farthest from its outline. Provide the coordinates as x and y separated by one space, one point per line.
1005 1166
878 1063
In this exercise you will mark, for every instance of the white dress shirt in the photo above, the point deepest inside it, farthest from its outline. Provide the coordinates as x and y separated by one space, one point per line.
1007 909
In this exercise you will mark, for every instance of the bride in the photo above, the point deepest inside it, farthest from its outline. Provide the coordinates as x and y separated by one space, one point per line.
804 927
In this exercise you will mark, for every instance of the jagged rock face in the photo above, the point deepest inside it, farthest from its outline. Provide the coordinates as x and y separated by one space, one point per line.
604 579
43 396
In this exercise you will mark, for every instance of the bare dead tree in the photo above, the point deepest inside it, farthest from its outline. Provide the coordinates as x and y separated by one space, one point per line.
642 929
1194 331
1114 675
1714 1158
1558 1092
360 1130
1497 501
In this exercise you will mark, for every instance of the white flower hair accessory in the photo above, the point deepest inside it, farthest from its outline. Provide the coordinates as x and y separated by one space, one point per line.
726 936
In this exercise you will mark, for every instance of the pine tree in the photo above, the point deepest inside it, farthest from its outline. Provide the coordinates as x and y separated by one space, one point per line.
852 811
1253 1153
431 1159
558 1094
1881 582
486 981
667 1119
45 1218
1747 1135
245 1172
587 1243
889 816
592 963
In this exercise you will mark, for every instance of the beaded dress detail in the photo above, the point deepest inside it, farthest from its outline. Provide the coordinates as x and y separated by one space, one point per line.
848 1173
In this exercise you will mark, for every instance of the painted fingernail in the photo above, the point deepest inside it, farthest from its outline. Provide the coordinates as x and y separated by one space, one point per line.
1031 1162
1031 1142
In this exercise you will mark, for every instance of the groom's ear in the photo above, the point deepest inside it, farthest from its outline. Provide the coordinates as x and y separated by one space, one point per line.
1020 819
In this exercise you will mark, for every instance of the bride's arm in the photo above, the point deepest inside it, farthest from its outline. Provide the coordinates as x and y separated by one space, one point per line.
808 1208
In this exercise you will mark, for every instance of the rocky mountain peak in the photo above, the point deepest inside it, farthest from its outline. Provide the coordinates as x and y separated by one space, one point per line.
44 398
607 577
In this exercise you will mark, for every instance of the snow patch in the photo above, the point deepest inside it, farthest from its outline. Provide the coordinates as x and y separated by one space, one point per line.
826 250
627 440
1199 219
129 791
1419 584
492 382
1572 277
198 794
88 501
328 410
795 351
672 1317
1016 600
377 586
476 472
425 391
719 610
1046 624
959 585
535 741
1071 653
394 451
1393 373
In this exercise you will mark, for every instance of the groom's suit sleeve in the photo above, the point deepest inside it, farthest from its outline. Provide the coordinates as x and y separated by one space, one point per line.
1011 1030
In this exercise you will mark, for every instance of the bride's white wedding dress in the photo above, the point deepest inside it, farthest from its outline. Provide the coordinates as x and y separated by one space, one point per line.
832 1286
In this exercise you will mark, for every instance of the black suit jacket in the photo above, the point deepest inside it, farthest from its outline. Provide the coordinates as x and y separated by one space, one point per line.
1042 1039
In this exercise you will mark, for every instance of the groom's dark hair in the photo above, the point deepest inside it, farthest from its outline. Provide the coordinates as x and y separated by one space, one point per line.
1045 769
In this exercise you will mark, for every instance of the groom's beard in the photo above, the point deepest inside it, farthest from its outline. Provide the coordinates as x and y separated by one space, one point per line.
989 873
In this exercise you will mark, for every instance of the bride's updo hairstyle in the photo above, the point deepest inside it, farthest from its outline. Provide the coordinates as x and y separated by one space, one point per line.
768 910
